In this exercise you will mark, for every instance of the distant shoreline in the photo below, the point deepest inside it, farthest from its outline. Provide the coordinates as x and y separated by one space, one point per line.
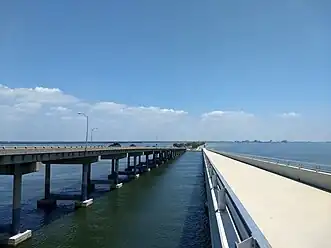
135 141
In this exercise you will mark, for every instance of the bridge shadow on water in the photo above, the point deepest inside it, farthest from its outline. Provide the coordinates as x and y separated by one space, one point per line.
196 232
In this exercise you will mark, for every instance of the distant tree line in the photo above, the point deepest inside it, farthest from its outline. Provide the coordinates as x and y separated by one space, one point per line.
192 145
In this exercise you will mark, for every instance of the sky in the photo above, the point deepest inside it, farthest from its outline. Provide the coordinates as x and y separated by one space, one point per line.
166 70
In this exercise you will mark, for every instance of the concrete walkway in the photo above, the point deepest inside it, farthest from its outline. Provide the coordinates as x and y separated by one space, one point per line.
290 214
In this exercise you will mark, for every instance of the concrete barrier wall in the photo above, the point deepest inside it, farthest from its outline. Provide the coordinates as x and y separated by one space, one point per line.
317 179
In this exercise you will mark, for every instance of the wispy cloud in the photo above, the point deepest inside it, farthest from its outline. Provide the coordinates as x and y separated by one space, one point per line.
290 115
42 113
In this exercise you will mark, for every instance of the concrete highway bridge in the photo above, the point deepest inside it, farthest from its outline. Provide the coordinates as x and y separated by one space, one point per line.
17 161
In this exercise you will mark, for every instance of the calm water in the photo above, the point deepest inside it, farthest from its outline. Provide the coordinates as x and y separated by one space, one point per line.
319 153
163 208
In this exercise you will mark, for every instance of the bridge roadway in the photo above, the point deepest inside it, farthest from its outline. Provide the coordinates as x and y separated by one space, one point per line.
287 212
18 161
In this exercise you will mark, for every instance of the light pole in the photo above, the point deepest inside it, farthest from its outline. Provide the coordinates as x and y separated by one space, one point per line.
86 139
93 129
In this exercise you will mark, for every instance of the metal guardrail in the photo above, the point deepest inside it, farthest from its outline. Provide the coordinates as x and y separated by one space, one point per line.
226 202
46 147
287 162
6 151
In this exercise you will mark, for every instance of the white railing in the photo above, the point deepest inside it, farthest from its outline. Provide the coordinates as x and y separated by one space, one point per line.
286 162
223 203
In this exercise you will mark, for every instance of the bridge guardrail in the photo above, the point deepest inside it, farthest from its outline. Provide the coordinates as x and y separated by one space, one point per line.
224 201
287 162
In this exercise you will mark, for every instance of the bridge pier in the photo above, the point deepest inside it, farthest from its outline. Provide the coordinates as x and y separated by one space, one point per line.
133 168
116 184
135 165
155 160
47 202
16 211
14 235
86 181
147 163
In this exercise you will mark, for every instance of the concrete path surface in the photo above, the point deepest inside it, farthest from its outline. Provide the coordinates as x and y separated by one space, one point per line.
290 214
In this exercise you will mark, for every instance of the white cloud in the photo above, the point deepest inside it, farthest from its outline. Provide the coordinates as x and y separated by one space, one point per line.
50 114
290 115
217 114
37 94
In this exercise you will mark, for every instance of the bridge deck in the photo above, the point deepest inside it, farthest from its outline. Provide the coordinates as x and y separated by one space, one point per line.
289 213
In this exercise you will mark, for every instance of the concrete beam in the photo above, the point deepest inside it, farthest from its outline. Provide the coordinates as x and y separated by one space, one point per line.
148 152
24 168
114 156
76 160
132 154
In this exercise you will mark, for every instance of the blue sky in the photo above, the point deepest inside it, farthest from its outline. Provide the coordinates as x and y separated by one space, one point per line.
265 58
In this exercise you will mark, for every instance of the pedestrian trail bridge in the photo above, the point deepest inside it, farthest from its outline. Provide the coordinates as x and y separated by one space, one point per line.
255 203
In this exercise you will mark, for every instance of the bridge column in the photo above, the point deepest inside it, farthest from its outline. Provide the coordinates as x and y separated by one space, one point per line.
129 158
84 201
47 202
134 165
154 159
90 186
133 172
147 164
112 169
116 184
16 211
161 157
47 181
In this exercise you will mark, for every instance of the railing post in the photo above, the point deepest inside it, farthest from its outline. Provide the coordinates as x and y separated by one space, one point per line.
214 180
220 197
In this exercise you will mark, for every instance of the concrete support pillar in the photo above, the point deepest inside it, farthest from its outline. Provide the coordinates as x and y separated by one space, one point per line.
86 168
47 181
90 186
47 202
134 164
112 166
154 158
116 171
17 191
147 163
85 174
129 161
17 237
115 178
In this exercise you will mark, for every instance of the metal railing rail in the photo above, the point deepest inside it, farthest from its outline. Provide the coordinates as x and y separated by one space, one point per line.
285 162
225 201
